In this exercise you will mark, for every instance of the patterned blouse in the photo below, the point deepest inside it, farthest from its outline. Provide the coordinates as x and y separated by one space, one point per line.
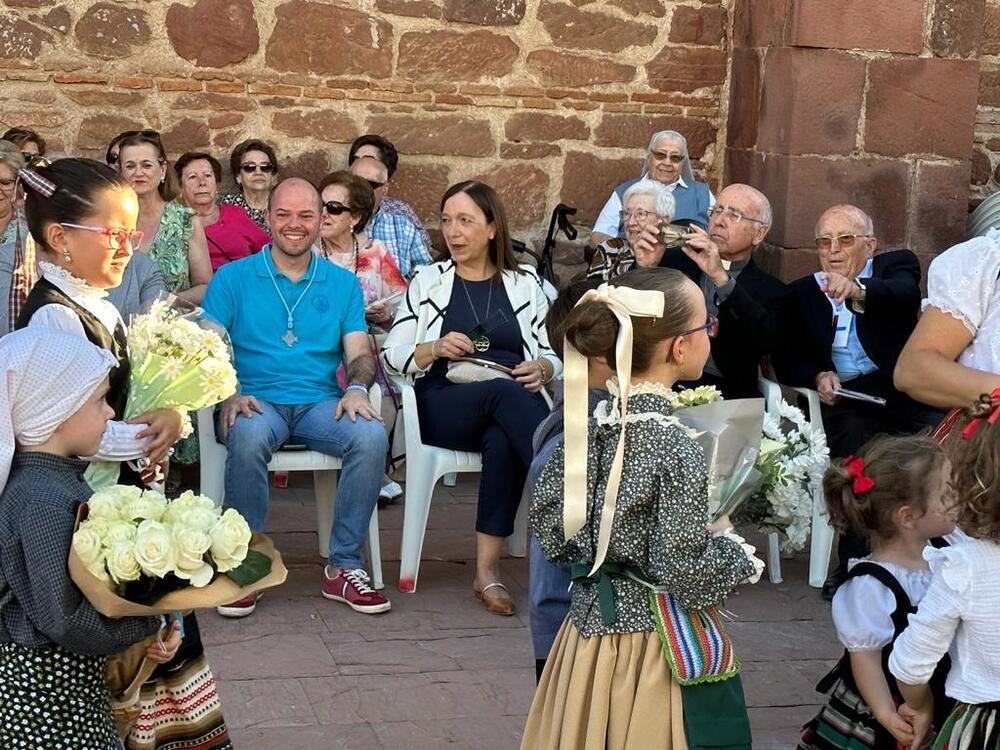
659 525
376 271
611 258
259 215
170 246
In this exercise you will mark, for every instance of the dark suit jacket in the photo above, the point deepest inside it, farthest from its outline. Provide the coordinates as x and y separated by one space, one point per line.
892 304
748 323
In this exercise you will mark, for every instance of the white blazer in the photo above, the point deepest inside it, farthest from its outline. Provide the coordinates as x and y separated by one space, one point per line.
419 318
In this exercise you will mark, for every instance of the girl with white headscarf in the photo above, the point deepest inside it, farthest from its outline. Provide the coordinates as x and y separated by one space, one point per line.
668 163
53 643
624 500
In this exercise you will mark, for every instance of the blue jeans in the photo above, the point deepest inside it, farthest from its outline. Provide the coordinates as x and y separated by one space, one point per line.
361 444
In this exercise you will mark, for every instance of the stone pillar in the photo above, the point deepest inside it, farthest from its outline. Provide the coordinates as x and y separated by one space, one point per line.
871 103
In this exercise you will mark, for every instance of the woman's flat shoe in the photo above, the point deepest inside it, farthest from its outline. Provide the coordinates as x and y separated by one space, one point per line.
495 598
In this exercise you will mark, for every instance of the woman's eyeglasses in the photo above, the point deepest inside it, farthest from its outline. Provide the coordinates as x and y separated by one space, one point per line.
249 167
117 238
711 327
335 208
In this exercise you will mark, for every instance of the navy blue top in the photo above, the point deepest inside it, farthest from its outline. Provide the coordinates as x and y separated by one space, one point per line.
505 338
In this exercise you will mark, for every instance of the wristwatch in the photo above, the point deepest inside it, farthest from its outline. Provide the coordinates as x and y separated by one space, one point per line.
859 304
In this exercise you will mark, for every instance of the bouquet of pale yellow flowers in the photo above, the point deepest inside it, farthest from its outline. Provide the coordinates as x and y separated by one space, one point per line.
136 553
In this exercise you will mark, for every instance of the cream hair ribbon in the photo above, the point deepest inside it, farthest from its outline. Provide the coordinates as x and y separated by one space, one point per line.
625 303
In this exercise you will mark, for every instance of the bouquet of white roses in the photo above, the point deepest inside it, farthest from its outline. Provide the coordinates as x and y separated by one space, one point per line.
178 359
136 553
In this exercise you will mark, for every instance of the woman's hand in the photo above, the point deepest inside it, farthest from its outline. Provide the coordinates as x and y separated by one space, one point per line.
719 525
452 346
376 313
164 427
531 375
162 651
917 722
647 249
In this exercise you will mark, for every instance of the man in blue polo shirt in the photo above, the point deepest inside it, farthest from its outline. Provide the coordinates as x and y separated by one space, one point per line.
293 318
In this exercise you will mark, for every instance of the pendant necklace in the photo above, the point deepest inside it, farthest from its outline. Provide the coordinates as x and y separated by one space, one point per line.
481 342
289 336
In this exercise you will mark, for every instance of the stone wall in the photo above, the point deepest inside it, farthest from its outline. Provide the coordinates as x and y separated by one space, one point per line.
548 100
986 157
872 103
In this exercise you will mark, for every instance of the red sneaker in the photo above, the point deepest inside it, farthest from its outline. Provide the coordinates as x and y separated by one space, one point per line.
351 587
240 608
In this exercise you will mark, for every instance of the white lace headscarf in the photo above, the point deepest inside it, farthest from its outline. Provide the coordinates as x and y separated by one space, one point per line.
47 376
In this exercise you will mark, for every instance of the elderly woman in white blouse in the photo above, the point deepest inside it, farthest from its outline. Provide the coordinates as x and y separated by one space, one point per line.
953 355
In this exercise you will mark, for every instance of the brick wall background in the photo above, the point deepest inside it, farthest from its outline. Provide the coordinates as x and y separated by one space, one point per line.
548 100
986 157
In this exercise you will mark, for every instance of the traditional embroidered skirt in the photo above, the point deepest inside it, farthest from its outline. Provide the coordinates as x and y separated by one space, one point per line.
180 710
971 728
53 699
613 691
845 723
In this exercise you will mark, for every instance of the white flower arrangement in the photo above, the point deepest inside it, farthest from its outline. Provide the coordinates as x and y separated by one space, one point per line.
132 534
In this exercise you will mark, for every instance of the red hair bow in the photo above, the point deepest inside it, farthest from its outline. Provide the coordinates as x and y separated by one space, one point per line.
970 429
855 466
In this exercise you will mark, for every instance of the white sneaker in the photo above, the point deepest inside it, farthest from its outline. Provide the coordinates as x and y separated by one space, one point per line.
390 491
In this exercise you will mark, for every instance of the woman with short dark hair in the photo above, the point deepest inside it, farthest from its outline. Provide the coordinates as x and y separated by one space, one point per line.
478 303
254 166
30 142
229 231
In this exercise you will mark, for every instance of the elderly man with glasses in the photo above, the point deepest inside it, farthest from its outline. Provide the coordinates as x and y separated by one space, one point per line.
668 163
745 299
843 328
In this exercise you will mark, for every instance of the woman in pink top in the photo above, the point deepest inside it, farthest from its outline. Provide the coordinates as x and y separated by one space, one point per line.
231 234
348 202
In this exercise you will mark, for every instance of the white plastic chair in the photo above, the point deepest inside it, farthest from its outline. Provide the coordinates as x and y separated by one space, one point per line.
292 458
425 464
821 541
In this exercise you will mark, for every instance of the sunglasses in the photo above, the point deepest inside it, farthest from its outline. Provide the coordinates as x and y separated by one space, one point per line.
673 158
250 167
375 185
117 238
843 240
112 158
335 208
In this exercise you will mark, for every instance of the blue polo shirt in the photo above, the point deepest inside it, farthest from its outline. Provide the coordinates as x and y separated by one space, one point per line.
242 298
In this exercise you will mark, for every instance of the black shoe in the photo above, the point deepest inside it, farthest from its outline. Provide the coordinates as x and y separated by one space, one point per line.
833 582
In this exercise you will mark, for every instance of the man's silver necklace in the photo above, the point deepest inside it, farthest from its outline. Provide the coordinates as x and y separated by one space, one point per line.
481 342
289 336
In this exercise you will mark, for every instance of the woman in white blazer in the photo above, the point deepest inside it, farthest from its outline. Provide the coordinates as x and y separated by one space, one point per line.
478 303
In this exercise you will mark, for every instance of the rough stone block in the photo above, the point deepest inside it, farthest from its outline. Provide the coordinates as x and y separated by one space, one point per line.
811 101
588 181
703 25
634 131
455 56
213 33
411 8
567 69
982 168
759 23
96 130
537 126
485 12
421 185
329 39
939 205
989 86
956 27
57 19
686 68
445 135
214 102
990 39
744 98
109 30
651 7
921 106
325 125
524 188
890 25
312 165
528 151
186 135
590 29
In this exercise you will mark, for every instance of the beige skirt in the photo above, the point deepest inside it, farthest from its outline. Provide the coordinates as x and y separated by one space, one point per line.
612 691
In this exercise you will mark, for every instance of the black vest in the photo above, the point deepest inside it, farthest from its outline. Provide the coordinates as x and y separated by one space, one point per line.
46 293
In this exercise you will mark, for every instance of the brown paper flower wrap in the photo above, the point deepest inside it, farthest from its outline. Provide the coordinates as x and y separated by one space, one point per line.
127 671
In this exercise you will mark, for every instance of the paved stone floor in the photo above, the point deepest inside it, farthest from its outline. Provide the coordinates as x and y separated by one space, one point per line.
438 671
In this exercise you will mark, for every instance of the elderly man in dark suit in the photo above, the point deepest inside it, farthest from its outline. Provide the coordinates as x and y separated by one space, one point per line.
844 327
744 298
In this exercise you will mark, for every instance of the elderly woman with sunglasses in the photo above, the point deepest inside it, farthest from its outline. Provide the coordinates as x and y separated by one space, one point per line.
648 206
231 234
255 167
667 162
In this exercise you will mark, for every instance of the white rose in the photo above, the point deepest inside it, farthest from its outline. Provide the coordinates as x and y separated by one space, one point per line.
148 506
230 541
197 511
121 562
104 506
89 545
154 550
190 546
118 531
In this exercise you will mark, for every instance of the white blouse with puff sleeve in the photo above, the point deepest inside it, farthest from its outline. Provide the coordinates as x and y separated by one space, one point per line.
962 604
863 606
962 282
